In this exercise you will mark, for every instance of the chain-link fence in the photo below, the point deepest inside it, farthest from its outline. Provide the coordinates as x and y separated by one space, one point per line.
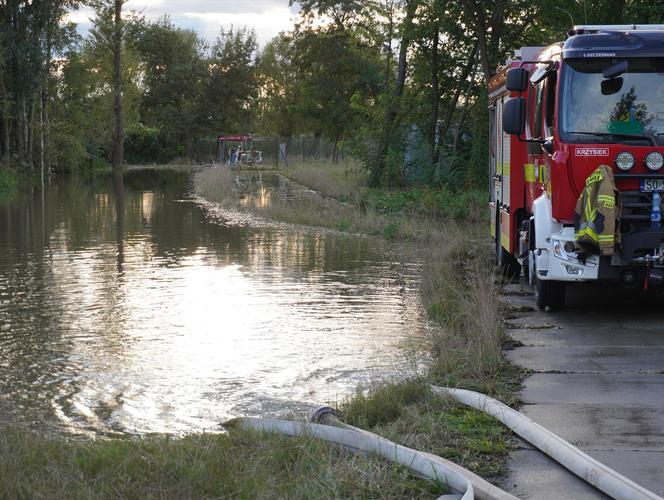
270 151
293 150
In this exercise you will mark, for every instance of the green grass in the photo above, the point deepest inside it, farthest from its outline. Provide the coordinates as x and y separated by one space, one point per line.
241 464
438 203
409 413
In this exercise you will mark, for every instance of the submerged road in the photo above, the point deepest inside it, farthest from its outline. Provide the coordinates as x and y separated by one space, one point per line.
597 381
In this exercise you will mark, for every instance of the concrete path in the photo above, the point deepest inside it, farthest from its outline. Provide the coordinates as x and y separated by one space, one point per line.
597 381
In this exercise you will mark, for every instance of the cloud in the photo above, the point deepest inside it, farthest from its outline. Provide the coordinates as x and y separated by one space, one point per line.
258 7
208 25
206 17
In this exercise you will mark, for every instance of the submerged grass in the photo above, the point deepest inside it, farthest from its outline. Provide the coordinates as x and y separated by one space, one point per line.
458 282
414 223
343 181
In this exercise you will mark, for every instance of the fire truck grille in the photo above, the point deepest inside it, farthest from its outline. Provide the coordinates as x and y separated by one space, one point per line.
635 210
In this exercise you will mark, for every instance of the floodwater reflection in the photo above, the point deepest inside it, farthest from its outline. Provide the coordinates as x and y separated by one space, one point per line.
125 309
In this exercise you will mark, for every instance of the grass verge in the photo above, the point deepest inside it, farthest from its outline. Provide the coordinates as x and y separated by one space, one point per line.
240 464
408 412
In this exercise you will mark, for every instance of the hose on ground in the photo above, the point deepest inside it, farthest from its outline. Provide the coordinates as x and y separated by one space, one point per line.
482 488
587 468
424 464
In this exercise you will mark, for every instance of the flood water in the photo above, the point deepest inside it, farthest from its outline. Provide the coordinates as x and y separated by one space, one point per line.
140 310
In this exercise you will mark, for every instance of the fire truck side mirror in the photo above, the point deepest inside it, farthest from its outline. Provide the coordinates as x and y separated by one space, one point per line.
517 79
514 116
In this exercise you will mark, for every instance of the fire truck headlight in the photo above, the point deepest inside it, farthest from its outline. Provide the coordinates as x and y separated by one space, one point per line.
558 251
654 160
625 160
565 250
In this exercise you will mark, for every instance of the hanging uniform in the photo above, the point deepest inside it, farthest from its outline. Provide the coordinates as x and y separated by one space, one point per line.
597 211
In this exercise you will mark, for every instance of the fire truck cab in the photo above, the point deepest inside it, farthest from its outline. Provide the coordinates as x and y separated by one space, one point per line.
556 114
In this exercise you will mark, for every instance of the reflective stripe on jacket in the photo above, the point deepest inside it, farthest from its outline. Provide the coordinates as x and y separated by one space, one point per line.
597 211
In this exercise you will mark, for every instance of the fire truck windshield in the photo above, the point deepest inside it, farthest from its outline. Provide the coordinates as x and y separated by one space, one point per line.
624 108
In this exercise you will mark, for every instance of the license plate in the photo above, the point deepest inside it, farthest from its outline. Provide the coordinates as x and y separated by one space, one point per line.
650 185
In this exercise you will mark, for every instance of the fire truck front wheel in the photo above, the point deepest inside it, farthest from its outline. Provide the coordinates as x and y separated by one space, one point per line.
549 295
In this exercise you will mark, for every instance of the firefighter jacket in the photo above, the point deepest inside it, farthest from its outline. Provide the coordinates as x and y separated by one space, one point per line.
597 212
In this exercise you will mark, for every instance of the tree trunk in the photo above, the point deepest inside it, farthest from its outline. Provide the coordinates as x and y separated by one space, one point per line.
389 5
435 96
30 127
464 112
462 119
391 112
46 135
4 124
403 50
488 33
315 148
46 124
470 65
118 136
19 130
189 145
335 151
4 138
42 113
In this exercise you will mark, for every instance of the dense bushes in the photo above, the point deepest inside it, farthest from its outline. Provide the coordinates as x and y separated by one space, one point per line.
8 183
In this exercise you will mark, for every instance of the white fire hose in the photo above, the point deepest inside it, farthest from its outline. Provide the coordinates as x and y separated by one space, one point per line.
424 464
587 468
464 483
482 488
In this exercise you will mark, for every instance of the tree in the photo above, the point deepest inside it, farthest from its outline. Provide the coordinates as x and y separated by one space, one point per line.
232 88
390 121
174 78
118 136
29 32
336 75
114 95
279 88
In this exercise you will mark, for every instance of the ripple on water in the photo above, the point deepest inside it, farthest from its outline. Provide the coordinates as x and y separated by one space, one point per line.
142 313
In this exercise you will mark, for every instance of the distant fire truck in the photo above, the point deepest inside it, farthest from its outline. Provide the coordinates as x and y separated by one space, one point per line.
557 114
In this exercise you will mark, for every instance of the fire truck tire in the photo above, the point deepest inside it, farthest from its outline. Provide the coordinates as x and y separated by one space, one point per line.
549 295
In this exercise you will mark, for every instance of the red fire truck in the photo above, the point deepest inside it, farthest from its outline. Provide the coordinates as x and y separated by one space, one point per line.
557 114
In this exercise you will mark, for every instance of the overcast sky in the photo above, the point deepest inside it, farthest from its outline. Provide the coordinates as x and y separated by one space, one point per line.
205 17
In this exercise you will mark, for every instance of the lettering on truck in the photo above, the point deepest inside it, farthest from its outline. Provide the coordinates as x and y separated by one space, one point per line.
592 151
